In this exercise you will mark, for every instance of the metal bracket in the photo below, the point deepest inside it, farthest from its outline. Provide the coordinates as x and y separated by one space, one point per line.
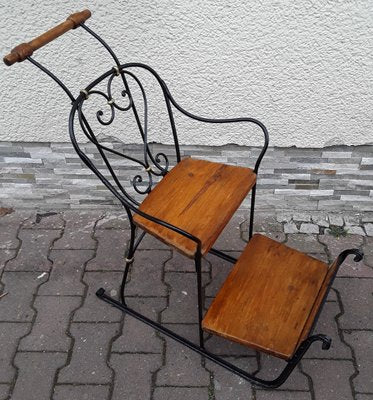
86 94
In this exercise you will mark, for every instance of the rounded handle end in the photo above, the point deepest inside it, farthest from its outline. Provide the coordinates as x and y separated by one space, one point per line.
79 17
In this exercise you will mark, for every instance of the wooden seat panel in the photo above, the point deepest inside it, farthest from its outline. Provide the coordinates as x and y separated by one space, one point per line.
268 297
199 197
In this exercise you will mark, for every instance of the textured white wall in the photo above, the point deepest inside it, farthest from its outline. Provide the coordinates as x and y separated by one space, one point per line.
305 68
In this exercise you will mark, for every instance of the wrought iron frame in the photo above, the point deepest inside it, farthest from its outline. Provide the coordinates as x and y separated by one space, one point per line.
152 166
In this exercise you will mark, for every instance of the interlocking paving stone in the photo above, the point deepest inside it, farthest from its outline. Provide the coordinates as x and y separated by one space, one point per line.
47 220
10 333
349 268
330 378
224 347
271 368
149 242
49 328
81 392
219 271
283 395
182 307
113 220
177 393
362 343
264 223
278 236
182 366
181 263
322 257
33 254
78 230
137 337
133 375
93 308
66 273
228 386
327 325
20 286
357 300
93 339
332 296
146 273
362 396
110 251
36 372
305 243
89 354
230 238
9 225
4 390
368 252
6 255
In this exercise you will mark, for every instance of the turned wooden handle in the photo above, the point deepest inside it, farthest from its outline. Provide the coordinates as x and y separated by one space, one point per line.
24 50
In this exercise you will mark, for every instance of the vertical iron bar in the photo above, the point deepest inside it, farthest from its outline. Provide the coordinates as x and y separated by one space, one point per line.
197 260
129 260
252 209
172 121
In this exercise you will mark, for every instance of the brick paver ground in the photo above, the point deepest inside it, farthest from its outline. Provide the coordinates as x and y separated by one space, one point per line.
58 341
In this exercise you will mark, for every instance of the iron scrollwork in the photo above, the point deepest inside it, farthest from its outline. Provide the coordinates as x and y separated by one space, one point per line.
159 163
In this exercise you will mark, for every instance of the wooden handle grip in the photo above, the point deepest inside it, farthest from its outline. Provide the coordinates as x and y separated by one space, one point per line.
24 50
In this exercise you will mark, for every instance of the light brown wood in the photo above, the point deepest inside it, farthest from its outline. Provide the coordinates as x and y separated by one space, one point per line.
199 197
24 50
267 298
318 301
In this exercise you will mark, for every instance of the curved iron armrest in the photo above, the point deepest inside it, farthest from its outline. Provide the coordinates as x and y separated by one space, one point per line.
226 120
169 97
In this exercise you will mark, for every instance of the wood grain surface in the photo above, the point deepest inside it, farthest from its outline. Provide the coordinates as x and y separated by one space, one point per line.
267 298
199 197
24 50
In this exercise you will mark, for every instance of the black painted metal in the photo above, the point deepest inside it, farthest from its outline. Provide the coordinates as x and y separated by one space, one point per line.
198 265
291 363
341 257
222 255
116 60
275 383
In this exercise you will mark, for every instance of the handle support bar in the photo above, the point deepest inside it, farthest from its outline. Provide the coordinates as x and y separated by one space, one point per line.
24 50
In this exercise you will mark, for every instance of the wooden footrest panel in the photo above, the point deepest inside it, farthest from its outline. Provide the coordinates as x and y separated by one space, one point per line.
267 298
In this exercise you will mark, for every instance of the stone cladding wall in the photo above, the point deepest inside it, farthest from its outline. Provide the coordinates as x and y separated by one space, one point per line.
51 176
